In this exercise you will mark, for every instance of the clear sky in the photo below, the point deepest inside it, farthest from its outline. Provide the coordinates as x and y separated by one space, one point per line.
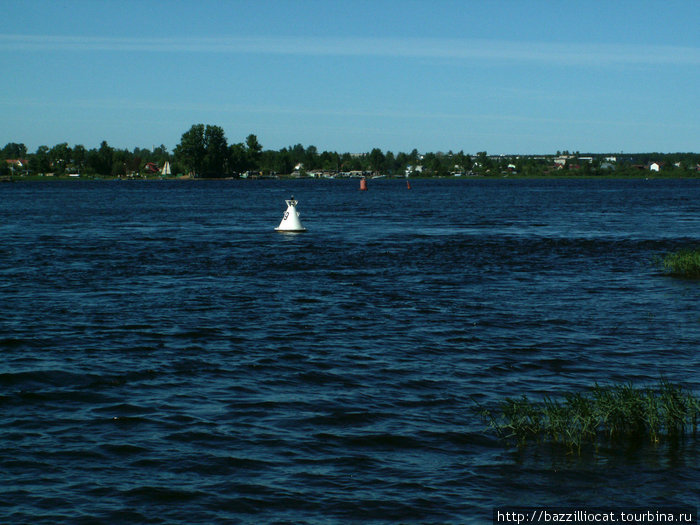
498 76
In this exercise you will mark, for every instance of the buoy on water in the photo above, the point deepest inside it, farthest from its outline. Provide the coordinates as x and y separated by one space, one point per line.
408 184
363 184
290 222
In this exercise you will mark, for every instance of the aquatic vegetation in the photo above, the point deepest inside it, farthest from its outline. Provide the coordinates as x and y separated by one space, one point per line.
683 263
618 413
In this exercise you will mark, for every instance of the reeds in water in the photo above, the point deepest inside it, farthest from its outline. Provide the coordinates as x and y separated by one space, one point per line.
613 413
683 263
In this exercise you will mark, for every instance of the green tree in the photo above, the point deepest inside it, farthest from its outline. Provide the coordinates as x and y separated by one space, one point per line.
254 152
435 164
100 161
414 158
160 154
279 162
79 157
120 163
311 160
352 163
216 151
12 150
468 163
237 158
192 149
390 163
376 160
329 160
401 162
429 162
39 162
458 160
483 161
297 154
60 157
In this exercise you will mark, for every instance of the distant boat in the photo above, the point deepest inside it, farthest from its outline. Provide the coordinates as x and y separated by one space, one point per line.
166 169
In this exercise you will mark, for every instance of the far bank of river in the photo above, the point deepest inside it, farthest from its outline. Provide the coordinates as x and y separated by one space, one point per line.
638 176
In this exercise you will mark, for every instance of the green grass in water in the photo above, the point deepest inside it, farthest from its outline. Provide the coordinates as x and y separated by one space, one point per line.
684 263
620 413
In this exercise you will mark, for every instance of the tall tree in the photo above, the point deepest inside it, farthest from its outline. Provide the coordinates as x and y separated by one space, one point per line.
192 149
390 163
311 158
12 150
39 162
402 162
297 154
102 160
329 160
60 157
254 150
468 162
483 160
119 165
216 150
458 161
79 156
283 162
376 160
238 158
160 154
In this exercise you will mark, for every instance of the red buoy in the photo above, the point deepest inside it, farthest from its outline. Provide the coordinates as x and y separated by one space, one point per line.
363 184
408 184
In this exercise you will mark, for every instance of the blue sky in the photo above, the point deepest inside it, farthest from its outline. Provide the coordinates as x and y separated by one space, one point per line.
497 76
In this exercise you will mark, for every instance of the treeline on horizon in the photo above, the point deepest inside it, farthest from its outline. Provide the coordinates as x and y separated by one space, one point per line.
204 151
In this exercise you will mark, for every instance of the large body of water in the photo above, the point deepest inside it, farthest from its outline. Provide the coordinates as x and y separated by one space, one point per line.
166 357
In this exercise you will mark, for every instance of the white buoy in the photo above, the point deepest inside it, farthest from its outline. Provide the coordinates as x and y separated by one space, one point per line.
290 221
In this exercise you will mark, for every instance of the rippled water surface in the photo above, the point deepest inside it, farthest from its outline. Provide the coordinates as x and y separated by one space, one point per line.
166 357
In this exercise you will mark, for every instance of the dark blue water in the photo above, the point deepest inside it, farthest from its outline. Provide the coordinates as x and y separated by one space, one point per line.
166 357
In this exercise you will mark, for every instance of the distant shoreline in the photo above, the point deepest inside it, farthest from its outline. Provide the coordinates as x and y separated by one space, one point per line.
640 176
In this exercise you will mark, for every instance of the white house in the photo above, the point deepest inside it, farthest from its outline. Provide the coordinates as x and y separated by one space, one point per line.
655 166
413 169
